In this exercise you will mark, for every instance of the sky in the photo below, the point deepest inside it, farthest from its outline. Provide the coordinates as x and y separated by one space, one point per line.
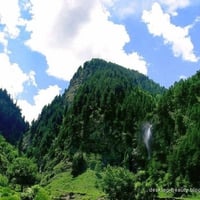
42 43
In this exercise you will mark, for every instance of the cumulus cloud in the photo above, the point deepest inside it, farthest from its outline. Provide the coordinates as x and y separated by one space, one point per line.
12 78
44 97
10 19
129 8
71 32
173 5
159 24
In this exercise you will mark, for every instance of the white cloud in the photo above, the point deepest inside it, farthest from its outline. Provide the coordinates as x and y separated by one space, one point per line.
3 41
183 77
31 77
159 24
10 17
10 21
12 78
130 8
25 5
71 32
173 5
44 97
127 8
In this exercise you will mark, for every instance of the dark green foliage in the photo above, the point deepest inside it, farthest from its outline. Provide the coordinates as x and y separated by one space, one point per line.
119 183
39 140
3 180
7 154
22 171
176 133
13 168
101 115
110 105
12 124
35 193
79 164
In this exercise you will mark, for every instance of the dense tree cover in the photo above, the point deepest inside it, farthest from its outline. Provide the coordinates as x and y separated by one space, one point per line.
12 124
176 134
7 155
98 122
120 183
14 169
40 137
107 112
95 110
22 171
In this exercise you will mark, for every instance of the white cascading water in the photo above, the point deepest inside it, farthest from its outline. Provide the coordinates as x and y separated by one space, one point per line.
147 138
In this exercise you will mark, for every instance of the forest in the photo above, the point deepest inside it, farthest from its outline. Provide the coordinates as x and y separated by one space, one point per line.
114 134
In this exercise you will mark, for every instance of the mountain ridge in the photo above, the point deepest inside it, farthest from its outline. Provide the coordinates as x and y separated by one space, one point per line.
12 124
107 83
114 129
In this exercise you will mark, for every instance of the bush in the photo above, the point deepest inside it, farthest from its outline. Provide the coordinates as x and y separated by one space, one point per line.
145 189
7 194
14 197
23 171
79 164
120 183
35 193
3 180
28 194
41 195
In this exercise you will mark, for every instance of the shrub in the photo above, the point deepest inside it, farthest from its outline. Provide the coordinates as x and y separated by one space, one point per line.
3 180
79 164
120 183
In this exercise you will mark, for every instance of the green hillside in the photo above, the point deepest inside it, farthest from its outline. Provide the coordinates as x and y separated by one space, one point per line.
12 124
94 115
113 134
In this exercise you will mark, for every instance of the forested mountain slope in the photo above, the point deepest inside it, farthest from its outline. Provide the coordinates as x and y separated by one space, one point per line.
12 124
176 137
115 132
101 113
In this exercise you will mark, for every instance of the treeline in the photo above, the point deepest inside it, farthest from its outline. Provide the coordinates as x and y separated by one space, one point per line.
12 124
16 170
176 134
101 113
97 124
99 120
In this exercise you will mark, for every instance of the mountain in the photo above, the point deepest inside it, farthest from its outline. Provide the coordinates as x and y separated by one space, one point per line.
114 133
100 113
176 134
12 124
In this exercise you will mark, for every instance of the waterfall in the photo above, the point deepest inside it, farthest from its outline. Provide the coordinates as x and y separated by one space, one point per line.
147 138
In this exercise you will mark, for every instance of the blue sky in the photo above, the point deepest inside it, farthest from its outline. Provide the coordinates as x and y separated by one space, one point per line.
42 43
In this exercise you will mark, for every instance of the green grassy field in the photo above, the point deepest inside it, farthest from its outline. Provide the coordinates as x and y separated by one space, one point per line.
86 185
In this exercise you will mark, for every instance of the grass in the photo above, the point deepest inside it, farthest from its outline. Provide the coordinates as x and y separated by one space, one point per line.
192 198
169 195
8 194
85 185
